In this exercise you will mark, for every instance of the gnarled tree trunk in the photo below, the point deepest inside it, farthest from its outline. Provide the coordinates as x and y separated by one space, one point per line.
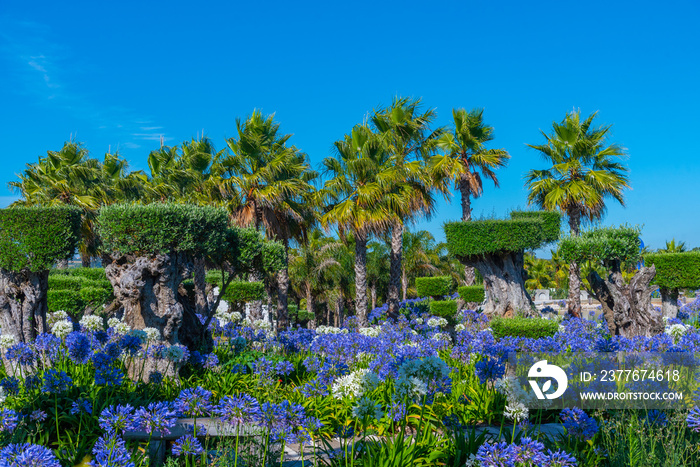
669 302
23 303
201 303
147 288
395 269
283 292
627 307
504 284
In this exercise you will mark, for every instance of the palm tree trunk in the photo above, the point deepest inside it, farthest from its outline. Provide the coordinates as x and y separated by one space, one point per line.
310 308
373 294
361 278
465 190
574 305
283 291
85 260
404 284
395 269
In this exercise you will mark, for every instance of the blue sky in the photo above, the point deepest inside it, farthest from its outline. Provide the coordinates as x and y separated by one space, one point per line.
123 74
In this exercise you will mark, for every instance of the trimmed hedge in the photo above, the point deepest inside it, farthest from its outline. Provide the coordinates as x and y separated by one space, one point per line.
66 300
65 282
96 296
551 222
243 291
433 286
604 244
36 238
675 270
472 293
444 308
524 231
162 228
524 327
93 274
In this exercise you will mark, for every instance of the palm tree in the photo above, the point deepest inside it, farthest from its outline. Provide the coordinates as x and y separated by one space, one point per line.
405 134
467 161
353 198
585 172
266 183
377 269
673 247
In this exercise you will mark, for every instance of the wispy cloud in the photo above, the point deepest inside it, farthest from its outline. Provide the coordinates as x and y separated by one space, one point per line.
47 71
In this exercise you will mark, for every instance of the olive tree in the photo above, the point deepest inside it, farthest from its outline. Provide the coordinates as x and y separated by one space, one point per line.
626 305
496 249
32 240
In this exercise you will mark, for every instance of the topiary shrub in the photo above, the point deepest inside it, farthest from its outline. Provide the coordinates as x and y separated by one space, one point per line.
533 328
472 293
93 274
67 300
96 296
32 240
244 291
65 282
438 286
674 271
445 309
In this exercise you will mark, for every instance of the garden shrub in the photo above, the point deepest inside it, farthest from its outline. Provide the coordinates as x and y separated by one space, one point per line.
244 291
472 293
65 282
35 238
604 245
675 270
525 230
444 308
433 286
523 327
69 301
162 228
96 296
93 274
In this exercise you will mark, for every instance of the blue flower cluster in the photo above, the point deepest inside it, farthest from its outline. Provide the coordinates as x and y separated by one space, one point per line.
578 424
528 452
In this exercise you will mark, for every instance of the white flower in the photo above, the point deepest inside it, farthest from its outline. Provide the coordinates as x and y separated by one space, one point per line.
437 322
236 317
442 336
371 331
330 330
92 323
56 316
460 327
223 307
3 396
355 385
676 331
7 340
62 328
152 334
140 334
366 407
113 322
410 387
419 320
472 461
516 412
122 328
562 328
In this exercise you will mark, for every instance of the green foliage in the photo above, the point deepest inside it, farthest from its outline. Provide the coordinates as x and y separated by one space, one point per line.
675 270
35 238
243 291
524 327
94 274
433 286
606 244
96 296
67 300
524 231
551 222
162 228
444 308
273 256
65 282
472 293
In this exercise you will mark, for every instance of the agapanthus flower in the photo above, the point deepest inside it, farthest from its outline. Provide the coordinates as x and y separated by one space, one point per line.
78 347
7 340
211 361
155 377
693 419
157 417
48 345
56 381
366 408
81 405
32 382
489 369
578 423
116 419
8 420
20 353
27 455
10 384
109 376
92 323
397 411
238 410
187 445
110 451
194 402
130 344
37 416
62 328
